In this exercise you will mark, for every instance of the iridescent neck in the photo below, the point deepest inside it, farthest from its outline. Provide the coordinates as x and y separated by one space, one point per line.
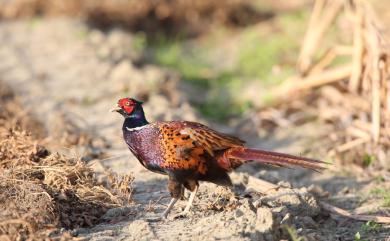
136 119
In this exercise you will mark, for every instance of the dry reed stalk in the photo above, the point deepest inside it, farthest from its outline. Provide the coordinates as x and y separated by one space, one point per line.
296 84
329 56
326 77
352 144
345 213
354 94
322 17
358 133
358 50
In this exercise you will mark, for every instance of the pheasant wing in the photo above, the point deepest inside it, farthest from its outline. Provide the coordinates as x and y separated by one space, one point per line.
208 138
185 145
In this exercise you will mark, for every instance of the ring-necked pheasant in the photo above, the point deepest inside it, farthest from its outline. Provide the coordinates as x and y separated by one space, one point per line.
189 152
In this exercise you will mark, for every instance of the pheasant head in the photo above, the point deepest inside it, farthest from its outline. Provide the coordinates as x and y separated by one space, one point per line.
131 109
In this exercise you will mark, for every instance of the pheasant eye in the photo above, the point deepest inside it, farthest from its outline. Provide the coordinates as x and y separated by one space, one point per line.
127 103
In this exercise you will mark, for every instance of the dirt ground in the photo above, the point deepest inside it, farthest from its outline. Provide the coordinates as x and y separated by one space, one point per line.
68 75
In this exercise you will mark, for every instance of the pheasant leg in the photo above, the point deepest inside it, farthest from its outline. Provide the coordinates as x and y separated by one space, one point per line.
169 208
190 200
189 203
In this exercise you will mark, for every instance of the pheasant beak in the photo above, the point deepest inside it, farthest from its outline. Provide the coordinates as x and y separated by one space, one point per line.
115 109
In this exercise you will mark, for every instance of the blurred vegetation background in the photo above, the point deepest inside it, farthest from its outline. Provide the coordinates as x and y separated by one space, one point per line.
229 51
234 56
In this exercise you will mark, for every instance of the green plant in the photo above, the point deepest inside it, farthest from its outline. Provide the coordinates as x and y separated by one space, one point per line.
366 229
380 179
221 109
34 22
384 194
139 42
368 159
371 226
260 53
190 64
81 33
358 237
87 101
292 232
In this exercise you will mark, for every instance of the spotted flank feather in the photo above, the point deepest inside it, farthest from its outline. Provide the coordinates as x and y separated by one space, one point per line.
181 152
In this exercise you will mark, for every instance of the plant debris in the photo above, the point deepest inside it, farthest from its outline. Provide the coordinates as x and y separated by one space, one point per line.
41 191
347 86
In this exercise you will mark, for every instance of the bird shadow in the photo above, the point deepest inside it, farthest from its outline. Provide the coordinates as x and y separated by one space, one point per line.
149 190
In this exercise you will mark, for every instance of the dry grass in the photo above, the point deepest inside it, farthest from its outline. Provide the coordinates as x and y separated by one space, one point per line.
41 192
353 96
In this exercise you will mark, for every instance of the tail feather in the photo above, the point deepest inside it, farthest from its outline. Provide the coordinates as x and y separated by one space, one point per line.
275 158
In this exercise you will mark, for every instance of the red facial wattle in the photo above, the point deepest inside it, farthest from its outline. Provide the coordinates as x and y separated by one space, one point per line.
127 105
128 109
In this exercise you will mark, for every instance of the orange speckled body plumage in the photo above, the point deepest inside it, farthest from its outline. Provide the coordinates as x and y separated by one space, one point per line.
186 151
190 152
181 152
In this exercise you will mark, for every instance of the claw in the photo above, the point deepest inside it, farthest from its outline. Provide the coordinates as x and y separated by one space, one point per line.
155 219
183 214
164 215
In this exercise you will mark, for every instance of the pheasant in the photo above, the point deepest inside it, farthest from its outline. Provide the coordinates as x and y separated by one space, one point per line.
189 152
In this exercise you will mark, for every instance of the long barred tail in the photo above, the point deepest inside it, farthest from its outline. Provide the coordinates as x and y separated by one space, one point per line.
275 158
